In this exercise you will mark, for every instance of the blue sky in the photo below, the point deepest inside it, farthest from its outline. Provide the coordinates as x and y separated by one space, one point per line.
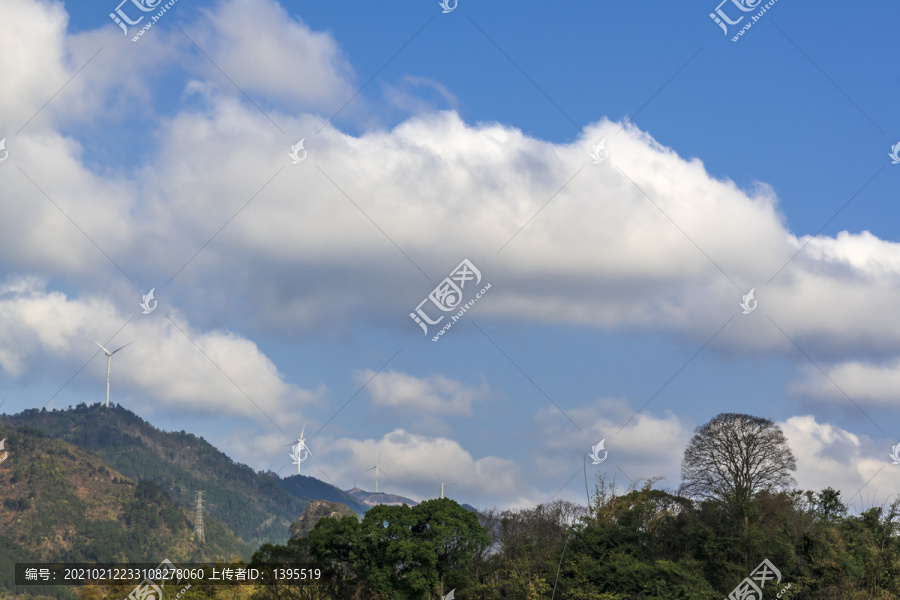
434 138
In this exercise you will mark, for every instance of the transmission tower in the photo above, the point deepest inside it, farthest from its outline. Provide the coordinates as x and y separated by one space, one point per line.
198 525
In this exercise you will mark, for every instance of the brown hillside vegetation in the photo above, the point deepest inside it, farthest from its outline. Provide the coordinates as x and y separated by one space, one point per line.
60 503
316 510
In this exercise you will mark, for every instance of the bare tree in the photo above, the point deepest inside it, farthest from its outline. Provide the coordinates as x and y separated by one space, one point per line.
734 456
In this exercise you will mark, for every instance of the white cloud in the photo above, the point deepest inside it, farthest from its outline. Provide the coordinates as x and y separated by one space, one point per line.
432 394
865 383
603 253
648 446
170 361
407 95
51 77
862 252
56 230
35 63
830 456
410 461
600 254
267 52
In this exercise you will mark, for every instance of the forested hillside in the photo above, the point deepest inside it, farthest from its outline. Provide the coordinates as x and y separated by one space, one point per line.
59 503
252 504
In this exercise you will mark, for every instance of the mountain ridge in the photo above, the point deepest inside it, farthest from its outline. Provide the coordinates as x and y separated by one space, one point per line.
253 504
61 503
305 486
375 498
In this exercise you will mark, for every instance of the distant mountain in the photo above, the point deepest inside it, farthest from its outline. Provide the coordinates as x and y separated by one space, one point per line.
253 505
61 503
303 486
319 509
373 499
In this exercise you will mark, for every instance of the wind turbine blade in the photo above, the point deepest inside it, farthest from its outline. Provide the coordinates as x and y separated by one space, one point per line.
385 474
101 346
370 469
117 349
438 476
379 458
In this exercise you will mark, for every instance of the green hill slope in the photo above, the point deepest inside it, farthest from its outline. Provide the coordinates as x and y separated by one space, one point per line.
251 504
59 503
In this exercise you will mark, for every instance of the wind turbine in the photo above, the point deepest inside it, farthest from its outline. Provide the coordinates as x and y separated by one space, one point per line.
377 468
299 448
443 484
108 361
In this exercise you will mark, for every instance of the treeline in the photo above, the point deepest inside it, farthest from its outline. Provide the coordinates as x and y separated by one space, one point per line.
736 528
637 543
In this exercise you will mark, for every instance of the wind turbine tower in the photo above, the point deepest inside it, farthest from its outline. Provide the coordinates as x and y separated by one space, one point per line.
198 526
443 484
377 468
108 363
